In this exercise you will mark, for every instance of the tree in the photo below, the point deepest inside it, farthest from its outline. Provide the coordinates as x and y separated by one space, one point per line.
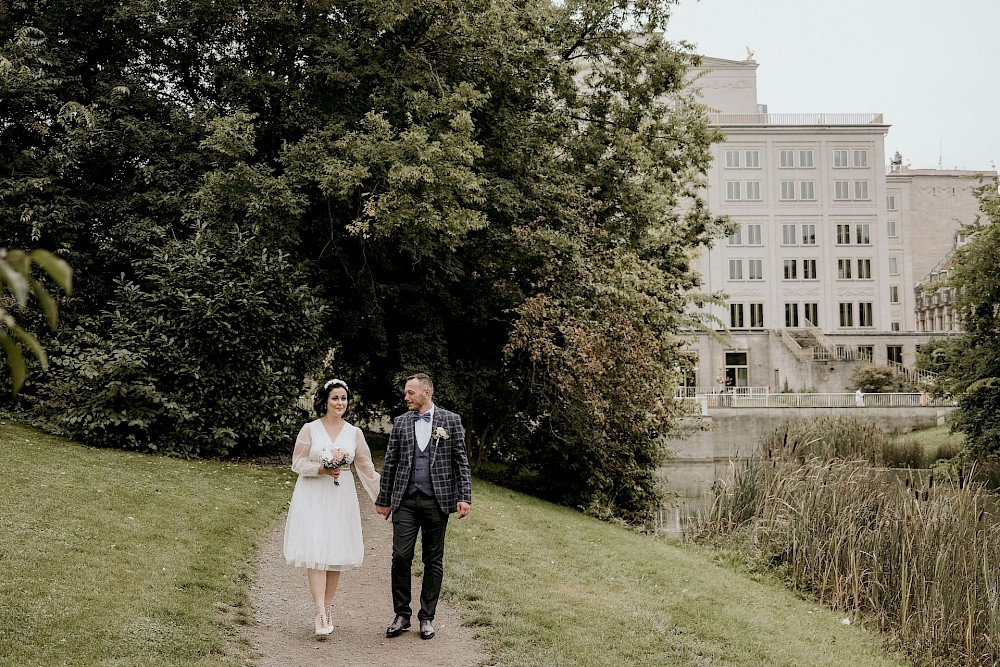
969 364
505 195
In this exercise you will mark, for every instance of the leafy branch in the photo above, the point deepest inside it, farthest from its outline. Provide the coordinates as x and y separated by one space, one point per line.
16 284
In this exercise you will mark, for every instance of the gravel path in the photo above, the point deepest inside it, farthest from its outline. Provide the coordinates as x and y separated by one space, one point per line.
282 634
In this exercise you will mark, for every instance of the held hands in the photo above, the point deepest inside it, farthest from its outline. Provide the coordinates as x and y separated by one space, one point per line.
332 472
463 510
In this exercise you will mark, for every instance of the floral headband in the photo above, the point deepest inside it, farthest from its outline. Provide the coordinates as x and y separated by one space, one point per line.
334 381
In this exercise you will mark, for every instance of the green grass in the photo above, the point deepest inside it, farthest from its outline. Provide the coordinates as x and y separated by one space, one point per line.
550 587
933 438
114 558
117 559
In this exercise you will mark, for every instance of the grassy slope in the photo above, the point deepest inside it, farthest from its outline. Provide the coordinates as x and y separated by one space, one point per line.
552 587
112 558
115 558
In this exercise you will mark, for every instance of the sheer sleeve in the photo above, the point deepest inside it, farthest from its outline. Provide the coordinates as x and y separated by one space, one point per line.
364 465
301 463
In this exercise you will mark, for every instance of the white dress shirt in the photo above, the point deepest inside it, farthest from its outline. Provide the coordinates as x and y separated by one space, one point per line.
422 430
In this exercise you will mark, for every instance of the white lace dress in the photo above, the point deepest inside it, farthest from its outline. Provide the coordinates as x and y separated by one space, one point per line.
323 529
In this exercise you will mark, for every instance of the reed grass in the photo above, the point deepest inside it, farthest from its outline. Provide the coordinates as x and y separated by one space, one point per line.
901 551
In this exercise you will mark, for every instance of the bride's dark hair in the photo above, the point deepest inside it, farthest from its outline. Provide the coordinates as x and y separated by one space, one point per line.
323 394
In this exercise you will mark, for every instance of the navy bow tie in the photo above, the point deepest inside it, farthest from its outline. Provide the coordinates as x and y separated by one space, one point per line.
426 416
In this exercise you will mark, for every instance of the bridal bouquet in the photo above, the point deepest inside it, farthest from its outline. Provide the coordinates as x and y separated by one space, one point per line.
336 458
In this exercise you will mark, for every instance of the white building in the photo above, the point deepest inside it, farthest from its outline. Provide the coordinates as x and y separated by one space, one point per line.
820 273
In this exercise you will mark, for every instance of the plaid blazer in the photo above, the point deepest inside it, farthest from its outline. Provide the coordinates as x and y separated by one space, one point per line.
450 473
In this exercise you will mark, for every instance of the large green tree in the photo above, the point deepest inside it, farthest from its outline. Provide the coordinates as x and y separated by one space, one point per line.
968 365
503 194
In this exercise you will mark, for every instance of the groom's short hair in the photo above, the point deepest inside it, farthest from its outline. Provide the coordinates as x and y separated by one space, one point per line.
424 379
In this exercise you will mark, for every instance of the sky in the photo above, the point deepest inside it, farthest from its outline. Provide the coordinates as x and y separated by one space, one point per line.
931 67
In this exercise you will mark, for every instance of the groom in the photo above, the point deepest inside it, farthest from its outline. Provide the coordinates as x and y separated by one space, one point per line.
425 478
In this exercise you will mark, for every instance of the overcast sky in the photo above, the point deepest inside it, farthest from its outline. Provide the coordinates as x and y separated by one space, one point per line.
932 67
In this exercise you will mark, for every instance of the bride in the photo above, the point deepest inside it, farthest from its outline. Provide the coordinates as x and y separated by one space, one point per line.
323 529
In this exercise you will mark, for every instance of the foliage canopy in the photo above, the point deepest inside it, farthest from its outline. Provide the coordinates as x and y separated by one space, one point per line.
502 194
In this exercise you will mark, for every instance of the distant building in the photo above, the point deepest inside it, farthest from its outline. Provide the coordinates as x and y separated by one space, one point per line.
819 274
935 301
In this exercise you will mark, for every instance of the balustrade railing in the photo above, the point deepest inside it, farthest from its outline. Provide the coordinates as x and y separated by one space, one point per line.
763 397
795 118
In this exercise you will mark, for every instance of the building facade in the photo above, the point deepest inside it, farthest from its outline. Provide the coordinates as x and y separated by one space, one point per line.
820 272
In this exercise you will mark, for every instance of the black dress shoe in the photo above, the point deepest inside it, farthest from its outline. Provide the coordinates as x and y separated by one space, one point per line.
426 629
399 625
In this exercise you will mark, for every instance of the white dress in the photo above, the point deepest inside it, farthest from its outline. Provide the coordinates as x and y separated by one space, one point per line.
323 529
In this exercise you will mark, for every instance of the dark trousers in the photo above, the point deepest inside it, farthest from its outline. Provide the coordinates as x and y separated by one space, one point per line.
415 513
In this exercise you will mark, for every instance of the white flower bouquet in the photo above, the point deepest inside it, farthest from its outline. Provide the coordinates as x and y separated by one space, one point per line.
334 458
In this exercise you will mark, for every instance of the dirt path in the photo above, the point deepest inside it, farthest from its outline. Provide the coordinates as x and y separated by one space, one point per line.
282 634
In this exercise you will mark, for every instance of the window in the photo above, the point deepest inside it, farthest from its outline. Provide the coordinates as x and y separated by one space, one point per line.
894 352
847 314
732 159
894 326
806 159
755 269
736 238
737 369
807 190
756 316
791 272
864 234
786 159
808 234
736 316
866 352
809 269
788 190
861 158
841 190
733 190
864 269
788 235
843 269
893 293
890 203
893 266
839 159
753 190
861 190
791 314
865 314
753 235
892 229
843 235
811 314
736 269
752 159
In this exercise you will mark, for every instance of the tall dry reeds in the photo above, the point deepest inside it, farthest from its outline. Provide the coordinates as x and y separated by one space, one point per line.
918 558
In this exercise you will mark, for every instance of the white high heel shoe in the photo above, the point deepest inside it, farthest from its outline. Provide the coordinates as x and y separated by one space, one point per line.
323 627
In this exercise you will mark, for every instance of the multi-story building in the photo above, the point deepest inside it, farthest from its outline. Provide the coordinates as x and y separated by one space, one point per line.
819 272
934 204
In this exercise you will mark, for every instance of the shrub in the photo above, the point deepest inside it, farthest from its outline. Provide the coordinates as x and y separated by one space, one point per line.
873 379
203 354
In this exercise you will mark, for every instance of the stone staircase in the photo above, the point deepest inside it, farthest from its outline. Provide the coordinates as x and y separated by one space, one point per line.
810 344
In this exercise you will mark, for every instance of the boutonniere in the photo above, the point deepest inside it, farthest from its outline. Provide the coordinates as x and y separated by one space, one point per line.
441 433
